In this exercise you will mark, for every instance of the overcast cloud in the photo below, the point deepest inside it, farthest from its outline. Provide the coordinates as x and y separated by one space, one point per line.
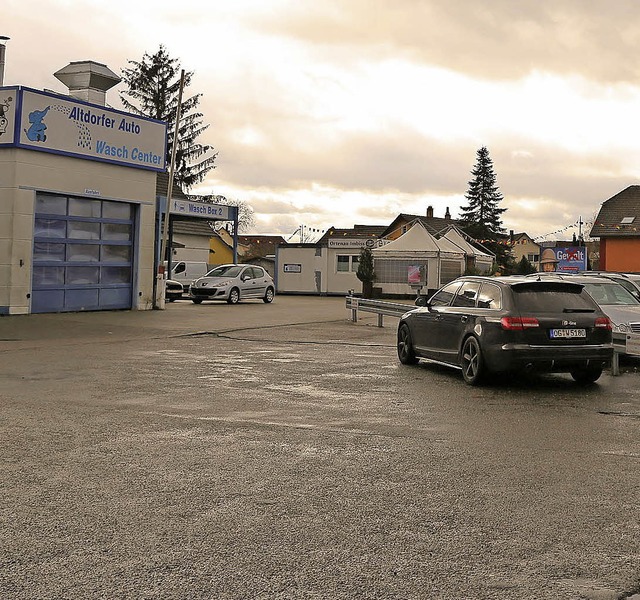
352 111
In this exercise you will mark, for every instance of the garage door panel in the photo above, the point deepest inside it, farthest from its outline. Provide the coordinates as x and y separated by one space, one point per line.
87 299
115 297
82 254
47 301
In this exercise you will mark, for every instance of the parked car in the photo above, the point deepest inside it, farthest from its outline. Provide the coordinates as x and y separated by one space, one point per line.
486 325
616 301
627 280
233 283
173 290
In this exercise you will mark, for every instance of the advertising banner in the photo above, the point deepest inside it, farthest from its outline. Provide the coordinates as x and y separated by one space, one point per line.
7 115
571 260
416 275
61 125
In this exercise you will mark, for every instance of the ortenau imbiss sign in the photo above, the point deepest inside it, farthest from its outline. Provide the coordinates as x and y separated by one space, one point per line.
48 122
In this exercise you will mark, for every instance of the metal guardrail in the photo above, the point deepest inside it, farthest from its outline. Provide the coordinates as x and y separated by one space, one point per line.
380 307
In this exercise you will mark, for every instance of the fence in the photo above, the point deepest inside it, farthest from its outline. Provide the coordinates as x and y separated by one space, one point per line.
380 307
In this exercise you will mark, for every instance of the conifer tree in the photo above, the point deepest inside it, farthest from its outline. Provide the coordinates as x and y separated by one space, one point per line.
153 88
365 272
481 217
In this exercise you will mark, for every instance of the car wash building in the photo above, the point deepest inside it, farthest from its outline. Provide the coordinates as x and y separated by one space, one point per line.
77 198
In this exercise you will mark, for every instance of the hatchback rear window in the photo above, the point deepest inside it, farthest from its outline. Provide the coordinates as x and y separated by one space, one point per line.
552 298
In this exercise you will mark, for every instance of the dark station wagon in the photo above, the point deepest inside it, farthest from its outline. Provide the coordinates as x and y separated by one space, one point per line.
486 325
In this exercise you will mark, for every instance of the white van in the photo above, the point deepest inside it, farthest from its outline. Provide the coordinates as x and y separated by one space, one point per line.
186 271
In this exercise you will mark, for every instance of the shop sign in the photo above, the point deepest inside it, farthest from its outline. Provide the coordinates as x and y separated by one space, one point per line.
188 208
356 243
48 122
289 268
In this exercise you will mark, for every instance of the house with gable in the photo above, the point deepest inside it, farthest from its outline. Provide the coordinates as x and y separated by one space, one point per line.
617 225
523 246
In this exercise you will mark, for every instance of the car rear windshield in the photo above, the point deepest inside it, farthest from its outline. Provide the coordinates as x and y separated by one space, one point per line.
552 297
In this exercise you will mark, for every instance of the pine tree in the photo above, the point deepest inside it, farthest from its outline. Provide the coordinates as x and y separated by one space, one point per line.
153 89
365 272
481 218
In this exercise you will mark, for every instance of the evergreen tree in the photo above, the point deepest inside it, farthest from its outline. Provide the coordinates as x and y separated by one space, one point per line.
481 217
524 267
153 88
365 272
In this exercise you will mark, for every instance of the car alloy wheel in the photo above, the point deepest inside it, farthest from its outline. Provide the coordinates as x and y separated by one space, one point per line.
268 297
406 353
234 296
472 362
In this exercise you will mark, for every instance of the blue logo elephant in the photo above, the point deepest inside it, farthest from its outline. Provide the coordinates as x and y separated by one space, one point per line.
36 132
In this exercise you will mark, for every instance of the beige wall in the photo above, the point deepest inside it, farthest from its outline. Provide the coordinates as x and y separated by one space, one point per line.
24 172
524 248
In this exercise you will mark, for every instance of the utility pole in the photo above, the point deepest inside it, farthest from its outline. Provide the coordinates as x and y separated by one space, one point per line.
162 275
580 230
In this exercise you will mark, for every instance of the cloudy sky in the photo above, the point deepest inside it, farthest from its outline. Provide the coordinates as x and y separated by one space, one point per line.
343 112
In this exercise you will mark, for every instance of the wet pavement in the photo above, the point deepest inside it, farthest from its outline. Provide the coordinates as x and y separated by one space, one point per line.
280 451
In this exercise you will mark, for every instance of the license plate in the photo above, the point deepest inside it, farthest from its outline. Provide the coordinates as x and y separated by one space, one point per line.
568 333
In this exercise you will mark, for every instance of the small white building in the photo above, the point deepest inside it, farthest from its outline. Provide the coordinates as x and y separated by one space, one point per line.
328 266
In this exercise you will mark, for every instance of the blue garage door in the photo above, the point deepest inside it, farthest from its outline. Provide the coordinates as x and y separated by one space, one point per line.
82 254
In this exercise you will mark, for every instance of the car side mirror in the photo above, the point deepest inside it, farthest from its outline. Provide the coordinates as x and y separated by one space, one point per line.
421 301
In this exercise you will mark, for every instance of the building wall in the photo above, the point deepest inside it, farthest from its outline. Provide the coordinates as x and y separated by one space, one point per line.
299 282
196 248
525 247
24 172
219 252
620 254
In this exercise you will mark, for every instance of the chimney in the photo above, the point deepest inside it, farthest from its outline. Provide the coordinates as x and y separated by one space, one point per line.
88 80
430 212
3 40
447 215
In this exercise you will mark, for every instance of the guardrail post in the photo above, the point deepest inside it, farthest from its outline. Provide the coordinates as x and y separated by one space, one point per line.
615 363
380 320
353 301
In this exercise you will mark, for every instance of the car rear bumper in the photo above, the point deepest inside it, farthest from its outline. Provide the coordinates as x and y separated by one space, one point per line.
509 357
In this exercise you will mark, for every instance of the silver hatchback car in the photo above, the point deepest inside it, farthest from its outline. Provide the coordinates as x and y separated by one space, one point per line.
233 283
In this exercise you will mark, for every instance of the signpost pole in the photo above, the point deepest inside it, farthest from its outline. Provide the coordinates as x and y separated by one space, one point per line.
162 275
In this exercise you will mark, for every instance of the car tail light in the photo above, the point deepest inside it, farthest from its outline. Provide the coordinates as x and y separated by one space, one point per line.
603 323
518 323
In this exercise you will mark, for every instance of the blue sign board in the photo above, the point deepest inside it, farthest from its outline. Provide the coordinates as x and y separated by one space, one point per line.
571 260
48 122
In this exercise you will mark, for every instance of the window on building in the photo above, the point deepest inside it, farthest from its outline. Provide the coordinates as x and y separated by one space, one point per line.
347 263
449 270
533 258
393 270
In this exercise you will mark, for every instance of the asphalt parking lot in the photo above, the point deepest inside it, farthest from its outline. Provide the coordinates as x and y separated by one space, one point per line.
280 451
